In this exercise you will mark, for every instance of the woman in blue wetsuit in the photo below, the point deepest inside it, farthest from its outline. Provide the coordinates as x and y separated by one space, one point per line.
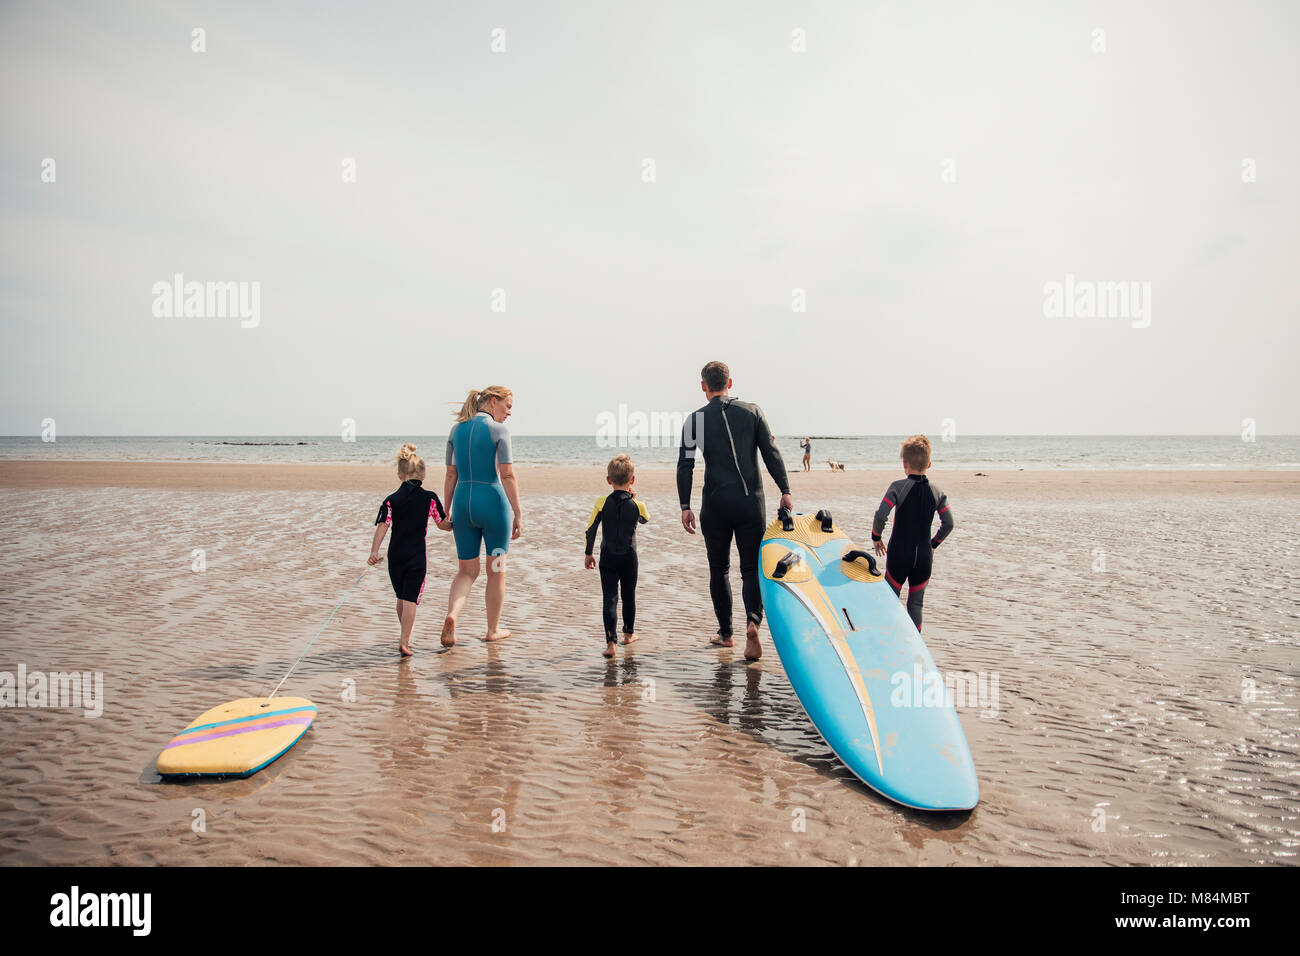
483 492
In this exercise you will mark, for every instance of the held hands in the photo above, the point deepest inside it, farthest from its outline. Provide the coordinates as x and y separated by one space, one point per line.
590 562
444 524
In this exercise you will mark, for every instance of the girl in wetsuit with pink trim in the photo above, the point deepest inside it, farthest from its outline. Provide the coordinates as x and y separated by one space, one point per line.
408 511
915 503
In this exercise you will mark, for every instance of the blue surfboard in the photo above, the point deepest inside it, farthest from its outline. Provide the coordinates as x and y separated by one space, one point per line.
856 662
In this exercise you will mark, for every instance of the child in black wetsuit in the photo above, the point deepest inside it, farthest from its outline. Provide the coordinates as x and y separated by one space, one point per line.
617 514
408 510
914 502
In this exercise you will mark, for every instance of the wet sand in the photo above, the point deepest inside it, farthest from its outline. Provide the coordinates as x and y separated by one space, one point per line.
1120 691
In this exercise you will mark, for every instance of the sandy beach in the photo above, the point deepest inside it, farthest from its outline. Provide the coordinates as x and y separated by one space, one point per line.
1142 627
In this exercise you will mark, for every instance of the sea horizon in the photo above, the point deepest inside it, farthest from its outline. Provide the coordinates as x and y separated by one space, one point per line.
997 452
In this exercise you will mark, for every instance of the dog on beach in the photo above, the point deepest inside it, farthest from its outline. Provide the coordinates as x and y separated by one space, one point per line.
835 465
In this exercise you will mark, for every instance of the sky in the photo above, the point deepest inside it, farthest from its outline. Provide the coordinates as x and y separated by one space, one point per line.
860 207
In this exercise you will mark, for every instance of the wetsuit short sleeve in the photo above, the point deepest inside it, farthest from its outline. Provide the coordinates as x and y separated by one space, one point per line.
385 514
501 435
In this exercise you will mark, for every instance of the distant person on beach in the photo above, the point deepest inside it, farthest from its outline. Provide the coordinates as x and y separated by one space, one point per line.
806 445
616 515
408 511
483 492
914 503
730 434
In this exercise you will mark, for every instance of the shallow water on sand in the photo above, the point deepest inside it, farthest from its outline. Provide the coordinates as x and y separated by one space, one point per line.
1123 693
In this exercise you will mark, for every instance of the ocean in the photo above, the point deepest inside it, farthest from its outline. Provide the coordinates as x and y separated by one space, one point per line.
988 452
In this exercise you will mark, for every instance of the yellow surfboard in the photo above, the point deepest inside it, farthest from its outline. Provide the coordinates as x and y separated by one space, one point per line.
237 739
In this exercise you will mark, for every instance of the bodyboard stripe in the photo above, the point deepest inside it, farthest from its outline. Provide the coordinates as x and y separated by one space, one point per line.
241 720
305 721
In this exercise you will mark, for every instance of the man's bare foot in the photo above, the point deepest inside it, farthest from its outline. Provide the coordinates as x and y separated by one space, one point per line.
629 638
721 641
609 649
497 635
405 651
753 649
449 632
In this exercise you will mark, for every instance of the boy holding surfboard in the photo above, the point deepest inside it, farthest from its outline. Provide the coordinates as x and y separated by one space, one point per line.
914 502
617 514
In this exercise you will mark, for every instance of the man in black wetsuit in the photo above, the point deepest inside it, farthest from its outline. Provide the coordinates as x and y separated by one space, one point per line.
730 435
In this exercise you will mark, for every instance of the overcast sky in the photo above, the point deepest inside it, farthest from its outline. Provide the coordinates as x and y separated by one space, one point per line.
774 170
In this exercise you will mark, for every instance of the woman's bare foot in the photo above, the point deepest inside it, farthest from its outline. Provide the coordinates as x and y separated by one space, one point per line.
721 641
449 632
609 649
629 638
495 636
753 649
405 651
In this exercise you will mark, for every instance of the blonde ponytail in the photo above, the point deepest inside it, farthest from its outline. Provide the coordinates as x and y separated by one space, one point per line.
476 399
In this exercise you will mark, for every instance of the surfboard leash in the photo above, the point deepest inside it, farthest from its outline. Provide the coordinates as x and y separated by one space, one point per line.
318 634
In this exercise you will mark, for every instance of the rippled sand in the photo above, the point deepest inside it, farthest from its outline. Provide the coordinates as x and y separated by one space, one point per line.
1120 691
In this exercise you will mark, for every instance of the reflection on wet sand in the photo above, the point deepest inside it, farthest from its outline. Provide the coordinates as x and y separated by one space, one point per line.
1120 694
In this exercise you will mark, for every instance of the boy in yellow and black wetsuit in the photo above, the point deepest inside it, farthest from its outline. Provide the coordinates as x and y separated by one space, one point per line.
617 514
